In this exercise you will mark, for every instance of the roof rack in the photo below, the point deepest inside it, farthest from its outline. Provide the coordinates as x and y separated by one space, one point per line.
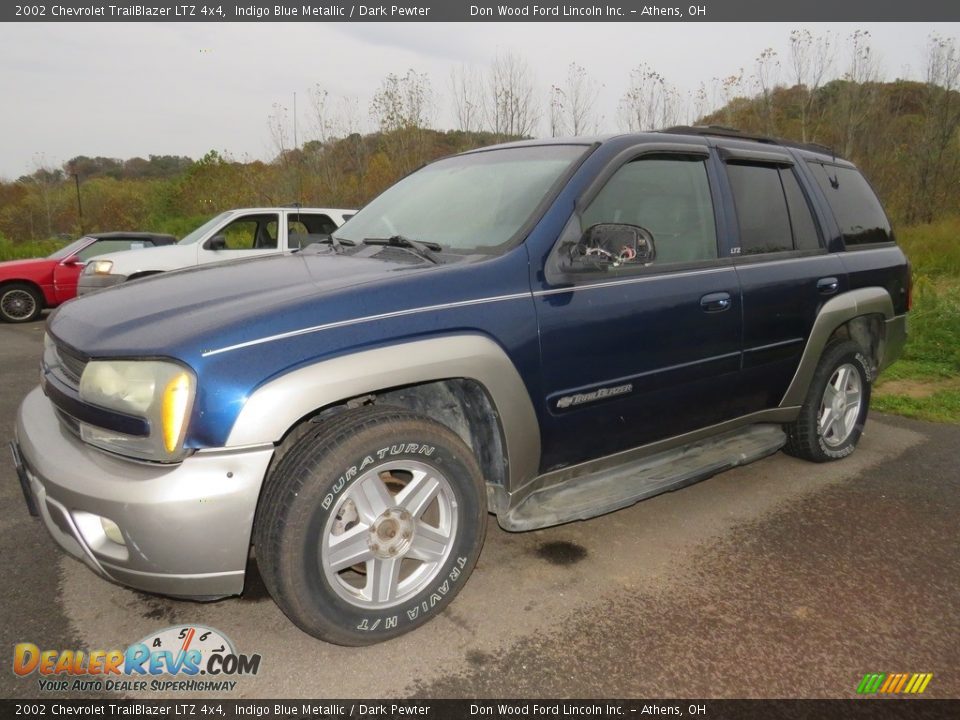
728 132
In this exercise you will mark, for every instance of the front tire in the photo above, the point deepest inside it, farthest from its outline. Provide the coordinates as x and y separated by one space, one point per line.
20 303
832 417
370 525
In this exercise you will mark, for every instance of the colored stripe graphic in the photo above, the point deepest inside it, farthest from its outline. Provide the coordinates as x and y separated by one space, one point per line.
892 683
870 683
899 687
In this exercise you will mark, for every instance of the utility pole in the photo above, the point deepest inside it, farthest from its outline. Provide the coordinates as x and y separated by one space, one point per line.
76 178
299 158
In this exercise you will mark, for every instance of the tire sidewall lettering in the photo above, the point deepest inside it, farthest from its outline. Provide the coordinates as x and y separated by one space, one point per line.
420 608
371 459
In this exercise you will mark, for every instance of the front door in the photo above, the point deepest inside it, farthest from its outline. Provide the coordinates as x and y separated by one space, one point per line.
641 352
247 236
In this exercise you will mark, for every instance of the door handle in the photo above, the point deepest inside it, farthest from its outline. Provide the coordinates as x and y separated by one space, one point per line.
715 302
828 285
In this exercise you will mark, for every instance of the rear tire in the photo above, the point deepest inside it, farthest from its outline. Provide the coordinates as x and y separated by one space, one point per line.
832 417
20 303
370 525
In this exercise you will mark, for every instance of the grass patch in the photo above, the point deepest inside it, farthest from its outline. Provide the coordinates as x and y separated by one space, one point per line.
943 406
925 382
35 249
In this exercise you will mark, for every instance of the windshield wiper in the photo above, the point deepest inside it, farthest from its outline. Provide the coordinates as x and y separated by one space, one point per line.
336 244
423 250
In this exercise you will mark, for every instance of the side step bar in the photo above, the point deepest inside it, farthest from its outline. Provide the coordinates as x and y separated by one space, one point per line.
601 492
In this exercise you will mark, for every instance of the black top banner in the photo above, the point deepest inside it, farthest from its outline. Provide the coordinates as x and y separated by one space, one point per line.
481 11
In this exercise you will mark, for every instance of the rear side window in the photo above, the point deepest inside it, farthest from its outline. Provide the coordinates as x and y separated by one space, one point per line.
854 204
761 209
772 211
307 224
805 235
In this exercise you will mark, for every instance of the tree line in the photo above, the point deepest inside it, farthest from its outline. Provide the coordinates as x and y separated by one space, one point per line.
822 89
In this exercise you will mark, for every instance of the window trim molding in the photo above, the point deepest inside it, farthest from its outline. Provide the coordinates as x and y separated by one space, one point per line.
754 157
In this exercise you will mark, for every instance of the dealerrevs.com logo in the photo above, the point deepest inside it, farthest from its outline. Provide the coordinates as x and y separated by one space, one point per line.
180 658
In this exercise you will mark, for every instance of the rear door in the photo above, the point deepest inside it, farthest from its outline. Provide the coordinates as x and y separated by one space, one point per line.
639 353
785 272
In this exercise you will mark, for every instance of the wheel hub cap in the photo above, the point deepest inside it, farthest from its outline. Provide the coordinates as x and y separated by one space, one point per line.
841 405
392 533
17 304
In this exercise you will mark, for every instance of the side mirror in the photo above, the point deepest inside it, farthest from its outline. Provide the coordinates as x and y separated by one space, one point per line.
72 261
217 242
608 245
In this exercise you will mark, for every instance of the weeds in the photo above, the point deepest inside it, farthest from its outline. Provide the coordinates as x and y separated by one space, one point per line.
932 354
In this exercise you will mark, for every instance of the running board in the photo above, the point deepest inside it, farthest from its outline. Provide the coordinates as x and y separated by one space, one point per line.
604 491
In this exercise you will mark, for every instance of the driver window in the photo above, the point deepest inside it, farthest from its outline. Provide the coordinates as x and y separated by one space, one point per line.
252 232
667 195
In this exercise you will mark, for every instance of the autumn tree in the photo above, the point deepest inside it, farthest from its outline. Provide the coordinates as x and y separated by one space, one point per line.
510 108
936 154
466 86
402 109
573 104
811 60
650 102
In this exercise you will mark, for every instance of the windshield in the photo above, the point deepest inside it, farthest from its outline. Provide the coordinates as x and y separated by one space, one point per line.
204 229
474 202
70 250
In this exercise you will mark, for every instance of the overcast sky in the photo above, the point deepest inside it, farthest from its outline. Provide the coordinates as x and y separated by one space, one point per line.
122 90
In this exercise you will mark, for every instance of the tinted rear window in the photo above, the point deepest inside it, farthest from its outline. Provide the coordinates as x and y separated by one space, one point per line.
761 209
854 204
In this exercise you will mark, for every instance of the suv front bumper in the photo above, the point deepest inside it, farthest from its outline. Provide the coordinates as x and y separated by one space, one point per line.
186 528
91 283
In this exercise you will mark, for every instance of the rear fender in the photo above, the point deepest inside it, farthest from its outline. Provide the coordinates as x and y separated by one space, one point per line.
833 314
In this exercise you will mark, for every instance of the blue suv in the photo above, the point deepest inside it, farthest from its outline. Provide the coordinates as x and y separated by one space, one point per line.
544 330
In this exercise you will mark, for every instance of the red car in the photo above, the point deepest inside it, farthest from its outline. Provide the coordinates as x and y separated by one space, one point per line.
29 286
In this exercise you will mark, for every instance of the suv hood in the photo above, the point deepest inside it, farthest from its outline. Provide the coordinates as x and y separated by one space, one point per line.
170 314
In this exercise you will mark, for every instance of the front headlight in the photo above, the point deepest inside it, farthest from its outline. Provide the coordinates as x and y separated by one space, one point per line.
160 392
100 267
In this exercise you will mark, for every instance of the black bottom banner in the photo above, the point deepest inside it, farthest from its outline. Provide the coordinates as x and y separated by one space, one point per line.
892 709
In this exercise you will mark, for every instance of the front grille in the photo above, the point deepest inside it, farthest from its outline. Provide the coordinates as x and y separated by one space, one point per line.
71 365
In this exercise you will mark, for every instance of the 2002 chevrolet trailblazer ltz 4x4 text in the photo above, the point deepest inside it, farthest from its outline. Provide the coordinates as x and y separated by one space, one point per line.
545 330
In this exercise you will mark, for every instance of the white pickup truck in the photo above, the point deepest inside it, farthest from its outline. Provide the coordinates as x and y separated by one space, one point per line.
231 235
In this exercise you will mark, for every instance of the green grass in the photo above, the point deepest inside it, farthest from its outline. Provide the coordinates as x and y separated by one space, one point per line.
934 248
931 358
18 251
943 406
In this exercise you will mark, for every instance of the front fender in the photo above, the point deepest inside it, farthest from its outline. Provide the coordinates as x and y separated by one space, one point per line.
278 405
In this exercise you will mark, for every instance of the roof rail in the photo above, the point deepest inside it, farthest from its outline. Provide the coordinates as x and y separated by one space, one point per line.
728 132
